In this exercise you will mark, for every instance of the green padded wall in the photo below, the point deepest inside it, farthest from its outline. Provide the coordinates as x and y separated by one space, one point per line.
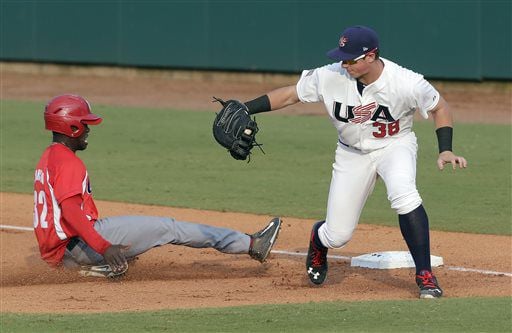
467 40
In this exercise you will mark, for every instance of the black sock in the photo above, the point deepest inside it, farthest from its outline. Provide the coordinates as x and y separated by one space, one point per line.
414 228
316 239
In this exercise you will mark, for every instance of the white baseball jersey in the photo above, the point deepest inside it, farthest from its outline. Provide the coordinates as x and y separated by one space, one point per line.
383 113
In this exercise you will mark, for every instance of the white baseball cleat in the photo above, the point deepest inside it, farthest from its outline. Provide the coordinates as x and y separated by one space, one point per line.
101 271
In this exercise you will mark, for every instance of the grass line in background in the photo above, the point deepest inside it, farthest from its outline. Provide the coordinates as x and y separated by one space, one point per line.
170 158
444 315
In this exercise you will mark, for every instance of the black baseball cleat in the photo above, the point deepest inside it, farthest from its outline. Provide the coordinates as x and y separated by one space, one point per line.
427 282
316 261
263 240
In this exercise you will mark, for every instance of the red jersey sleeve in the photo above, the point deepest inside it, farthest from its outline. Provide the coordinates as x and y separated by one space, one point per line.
80 224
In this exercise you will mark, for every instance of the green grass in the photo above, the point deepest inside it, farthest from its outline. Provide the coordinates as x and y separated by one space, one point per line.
166 157
446 315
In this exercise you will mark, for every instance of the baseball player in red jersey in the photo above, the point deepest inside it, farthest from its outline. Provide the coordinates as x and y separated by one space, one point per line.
66 222
371 102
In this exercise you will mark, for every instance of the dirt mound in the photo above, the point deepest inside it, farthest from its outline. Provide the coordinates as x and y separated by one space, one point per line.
179 277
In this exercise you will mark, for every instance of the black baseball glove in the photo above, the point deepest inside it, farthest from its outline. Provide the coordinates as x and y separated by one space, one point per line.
234 129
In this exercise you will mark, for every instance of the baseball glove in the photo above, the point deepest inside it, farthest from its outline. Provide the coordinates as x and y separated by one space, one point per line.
234 129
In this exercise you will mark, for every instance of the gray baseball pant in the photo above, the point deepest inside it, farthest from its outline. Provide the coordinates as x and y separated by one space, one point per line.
145 232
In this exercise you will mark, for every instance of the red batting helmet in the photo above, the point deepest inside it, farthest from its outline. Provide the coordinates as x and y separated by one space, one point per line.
64 112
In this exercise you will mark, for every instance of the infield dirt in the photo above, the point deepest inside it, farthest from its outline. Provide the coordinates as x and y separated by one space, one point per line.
179 277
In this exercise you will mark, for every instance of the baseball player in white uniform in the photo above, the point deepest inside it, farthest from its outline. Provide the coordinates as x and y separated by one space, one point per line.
371 102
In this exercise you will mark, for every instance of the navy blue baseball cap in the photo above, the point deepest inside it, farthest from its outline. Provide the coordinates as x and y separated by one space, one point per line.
354 42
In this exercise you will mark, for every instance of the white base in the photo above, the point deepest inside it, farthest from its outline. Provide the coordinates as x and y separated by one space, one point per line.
390 260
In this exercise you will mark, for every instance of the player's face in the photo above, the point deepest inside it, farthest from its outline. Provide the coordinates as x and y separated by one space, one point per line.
359 66
357 70
81 141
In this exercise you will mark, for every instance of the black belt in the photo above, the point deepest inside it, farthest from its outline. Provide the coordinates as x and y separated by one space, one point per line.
343 143
351 147
72 243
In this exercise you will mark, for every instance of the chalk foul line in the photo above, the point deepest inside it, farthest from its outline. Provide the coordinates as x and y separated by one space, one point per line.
13 227
302 254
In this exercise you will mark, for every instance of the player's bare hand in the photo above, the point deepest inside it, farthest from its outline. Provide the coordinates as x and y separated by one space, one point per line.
114 256
449 157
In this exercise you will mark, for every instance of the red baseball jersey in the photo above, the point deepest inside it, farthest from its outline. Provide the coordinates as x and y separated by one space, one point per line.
59 175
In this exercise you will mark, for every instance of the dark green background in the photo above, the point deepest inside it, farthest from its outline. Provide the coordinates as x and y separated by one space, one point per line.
468 40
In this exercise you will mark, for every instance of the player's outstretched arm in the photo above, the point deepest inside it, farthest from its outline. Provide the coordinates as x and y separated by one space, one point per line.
76 220
283 97
444 131
274 100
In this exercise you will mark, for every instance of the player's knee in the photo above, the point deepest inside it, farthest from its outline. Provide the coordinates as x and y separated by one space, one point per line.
334 240
406 203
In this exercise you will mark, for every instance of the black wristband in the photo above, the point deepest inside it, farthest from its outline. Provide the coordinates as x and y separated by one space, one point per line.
260 104
444 138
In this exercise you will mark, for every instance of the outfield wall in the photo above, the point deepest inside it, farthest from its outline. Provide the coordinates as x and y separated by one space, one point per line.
466 40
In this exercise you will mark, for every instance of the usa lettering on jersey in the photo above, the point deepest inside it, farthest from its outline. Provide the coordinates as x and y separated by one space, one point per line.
362 113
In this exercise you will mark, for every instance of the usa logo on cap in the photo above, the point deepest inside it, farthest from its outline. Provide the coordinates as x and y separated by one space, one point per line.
343 40
354 42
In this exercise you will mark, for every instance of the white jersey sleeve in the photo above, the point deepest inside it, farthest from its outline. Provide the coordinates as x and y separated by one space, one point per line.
308 86
426 97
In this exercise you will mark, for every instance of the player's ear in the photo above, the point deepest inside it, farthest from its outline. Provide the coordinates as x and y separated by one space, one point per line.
370 57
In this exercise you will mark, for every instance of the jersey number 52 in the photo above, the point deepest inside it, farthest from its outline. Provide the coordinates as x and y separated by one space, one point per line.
40 199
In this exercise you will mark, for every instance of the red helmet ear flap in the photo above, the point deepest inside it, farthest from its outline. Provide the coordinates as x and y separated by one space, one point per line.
64 125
